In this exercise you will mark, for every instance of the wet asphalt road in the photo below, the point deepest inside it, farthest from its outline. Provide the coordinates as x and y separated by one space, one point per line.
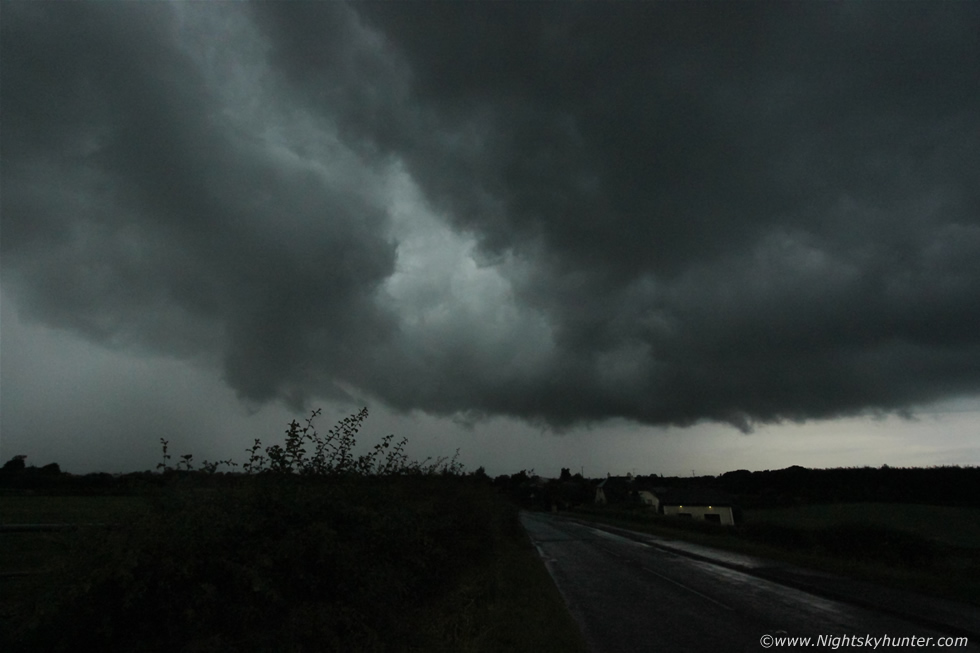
628 596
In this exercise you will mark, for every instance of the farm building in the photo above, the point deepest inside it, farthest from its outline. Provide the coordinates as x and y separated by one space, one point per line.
698 503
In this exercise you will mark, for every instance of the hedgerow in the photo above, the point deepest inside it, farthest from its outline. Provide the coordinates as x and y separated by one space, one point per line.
311 548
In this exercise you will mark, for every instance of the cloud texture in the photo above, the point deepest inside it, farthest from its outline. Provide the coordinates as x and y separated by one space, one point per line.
563 212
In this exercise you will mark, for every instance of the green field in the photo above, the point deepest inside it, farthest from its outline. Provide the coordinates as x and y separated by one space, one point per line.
959 527
26 509
30 551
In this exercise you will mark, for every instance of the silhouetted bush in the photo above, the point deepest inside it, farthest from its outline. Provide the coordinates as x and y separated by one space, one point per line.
314 548
277 564
15 464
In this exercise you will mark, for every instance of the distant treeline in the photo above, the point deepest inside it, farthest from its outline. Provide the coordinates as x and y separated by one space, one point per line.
942 486
947 486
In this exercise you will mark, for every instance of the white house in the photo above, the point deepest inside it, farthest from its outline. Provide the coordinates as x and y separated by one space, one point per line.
649 498
698 503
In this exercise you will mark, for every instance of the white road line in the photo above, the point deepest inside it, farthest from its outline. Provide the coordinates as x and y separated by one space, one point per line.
689 589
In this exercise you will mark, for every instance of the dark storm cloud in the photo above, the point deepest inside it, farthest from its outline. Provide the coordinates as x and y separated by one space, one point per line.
134 215
742 212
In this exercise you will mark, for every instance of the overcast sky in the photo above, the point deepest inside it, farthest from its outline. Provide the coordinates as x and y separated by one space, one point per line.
613 236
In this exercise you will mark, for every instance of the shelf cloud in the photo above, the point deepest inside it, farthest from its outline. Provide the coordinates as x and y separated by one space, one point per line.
559 212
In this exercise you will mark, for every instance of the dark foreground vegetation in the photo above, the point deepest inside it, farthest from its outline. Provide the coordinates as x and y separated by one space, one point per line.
316 550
